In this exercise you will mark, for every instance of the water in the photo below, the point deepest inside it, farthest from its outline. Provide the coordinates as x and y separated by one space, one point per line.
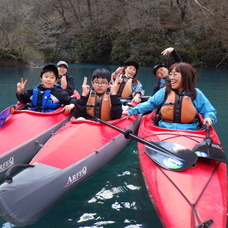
116 196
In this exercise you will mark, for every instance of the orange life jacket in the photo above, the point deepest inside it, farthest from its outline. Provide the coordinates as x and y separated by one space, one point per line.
178 109
124 87
99 107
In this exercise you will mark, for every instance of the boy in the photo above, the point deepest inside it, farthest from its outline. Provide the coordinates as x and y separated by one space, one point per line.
102 100
161 72
46 97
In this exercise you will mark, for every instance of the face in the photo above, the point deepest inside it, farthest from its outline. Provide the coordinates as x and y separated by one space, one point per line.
48 80
130 71
100 85
162 72
62 69
176 80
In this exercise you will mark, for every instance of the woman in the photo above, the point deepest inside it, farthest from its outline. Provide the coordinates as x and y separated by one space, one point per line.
65 79
129 86
179 102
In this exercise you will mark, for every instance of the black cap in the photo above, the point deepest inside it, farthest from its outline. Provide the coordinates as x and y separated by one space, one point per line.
156 67
50 68
132 63
102 73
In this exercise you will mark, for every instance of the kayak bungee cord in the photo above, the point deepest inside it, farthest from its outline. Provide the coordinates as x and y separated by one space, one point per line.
205 224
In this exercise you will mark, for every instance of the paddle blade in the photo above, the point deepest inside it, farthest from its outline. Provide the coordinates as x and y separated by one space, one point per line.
4 114
179 158
210 150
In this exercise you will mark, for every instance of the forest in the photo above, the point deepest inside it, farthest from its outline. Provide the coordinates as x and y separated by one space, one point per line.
112 32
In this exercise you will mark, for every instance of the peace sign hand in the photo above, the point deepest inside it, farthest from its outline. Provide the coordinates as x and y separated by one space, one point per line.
21 85
114 88
85 87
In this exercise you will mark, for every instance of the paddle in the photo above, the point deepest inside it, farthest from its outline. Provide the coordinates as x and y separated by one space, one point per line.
4 114
208 149
169 155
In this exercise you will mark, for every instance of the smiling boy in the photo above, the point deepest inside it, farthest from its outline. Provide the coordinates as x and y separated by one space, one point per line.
46 97
101 100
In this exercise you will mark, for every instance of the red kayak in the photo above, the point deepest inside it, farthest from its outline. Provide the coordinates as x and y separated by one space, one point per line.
74 153
194 197
24 132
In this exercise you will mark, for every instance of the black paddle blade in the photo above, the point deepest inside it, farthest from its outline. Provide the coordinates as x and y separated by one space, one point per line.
207 149
179 158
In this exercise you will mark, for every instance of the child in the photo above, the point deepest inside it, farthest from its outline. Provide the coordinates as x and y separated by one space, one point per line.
65 79
46 97
161 72
102 100
128 86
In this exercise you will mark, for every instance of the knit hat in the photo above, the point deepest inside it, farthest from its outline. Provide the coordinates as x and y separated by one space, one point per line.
132 63
102 73
50 68
62 63
156 67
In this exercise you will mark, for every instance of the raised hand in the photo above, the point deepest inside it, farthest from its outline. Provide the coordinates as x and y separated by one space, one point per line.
21 85
119 70
85 87
114 88
167 51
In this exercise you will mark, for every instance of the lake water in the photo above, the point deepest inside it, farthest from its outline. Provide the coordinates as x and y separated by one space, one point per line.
116 196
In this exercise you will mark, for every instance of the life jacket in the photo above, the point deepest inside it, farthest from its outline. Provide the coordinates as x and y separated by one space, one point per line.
47 105
100 108
124 87
178 108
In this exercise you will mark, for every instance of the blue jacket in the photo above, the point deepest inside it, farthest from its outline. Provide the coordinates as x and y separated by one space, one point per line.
201 103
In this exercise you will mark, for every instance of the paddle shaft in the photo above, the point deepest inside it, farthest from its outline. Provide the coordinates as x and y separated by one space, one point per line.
130 135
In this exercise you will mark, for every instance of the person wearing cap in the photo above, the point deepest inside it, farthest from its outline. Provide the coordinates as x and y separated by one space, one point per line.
101 100
47 96
64 78
161 71
128 85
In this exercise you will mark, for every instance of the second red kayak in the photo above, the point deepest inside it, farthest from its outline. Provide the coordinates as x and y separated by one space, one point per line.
194 197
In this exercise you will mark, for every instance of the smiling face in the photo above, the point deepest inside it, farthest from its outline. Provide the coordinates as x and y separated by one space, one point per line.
62 69
100 85
130 71
48 80
176 80
162 72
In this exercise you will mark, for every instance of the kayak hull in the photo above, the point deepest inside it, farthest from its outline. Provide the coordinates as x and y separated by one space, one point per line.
24 133
57 170
191 197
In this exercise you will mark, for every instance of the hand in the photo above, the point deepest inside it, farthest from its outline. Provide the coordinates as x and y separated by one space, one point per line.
119 70
63 82
167 51
21 85
125 113
208 121
136 98
114 88
85 88
68 108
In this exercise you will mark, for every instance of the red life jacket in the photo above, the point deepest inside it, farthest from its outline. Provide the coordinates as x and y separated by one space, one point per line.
124 87
99 107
